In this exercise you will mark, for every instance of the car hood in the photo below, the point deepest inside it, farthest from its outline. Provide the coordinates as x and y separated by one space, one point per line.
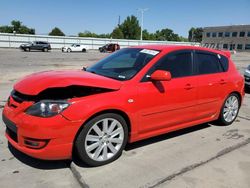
38 82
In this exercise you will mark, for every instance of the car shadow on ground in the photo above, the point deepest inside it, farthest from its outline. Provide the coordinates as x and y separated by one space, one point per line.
166 136
153 140
38 163
58 164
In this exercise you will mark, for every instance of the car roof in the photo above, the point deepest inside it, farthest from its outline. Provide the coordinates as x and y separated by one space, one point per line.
184 47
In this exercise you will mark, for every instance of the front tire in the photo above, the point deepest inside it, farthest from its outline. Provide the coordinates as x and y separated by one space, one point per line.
229 110
45 49
102 139
68 50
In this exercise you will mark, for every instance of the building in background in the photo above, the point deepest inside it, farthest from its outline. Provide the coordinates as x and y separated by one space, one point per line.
234 37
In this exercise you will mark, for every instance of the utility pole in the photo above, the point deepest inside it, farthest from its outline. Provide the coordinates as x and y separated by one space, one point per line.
142 10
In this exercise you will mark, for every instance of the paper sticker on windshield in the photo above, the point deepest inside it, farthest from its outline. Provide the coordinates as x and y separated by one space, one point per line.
150 52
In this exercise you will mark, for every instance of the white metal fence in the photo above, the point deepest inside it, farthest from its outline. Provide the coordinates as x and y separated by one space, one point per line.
9 40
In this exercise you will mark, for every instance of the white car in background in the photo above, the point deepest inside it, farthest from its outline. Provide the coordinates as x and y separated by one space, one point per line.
74 48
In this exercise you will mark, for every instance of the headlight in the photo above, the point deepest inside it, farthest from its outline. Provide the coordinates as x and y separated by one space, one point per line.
47 108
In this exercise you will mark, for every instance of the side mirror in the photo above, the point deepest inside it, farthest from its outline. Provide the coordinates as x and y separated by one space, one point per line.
161 75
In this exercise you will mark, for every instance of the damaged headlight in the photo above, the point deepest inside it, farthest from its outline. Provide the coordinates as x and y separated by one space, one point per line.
47 108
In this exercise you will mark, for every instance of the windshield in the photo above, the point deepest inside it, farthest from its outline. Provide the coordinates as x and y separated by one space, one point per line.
123 64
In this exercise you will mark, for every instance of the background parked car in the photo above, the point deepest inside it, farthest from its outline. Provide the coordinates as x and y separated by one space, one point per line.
247 77
74 48
36 45
111 47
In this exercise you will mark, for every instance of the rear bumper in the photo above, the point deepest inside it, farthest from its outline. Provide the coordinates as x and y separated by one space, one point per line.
58 131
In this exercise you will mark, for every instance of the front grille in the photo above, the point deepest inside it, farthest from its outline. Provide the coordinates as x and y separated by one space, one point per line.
11 128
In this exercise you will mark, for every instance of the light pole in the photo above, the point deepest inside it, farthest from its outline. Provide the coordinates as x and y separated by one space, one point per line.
142 10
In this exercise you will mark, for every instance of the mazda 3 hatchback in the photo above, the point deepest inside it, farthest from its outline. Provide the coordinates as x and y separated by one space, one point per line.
133 94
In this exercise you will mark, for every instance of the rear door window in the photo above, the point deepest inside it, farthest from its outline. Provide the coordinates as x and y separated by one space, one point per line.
207 63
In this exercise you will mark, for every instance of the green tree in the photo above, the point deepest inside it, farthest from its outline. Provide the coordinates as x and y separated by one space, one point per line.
195 34
94 35
147 36
183 39
130 28
166 34
17 27
56 32
6 29
117 33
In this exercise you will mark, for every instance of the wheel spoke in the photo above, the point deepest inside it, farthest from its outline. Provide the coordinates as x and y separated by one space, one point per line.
92 147
116 132
105 125
105 153
92 138
226 110
116 140
98 151
97 130
112 148
112 126
230 116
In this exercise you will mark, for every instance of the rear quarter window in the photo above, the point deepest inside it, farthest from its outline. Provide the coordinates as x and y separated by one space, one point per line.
224 62
207 63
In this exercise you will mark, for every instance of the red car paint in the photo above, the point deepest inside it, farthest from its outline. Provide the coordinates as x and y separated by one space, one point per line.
183 102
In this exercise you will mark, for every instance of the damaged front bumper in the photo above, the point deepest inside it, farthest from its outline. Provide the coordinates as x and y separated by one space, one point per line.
44 138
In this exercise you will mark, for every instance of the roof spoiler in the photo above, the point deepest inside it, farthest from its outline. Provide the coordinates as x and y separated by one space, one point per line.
227 53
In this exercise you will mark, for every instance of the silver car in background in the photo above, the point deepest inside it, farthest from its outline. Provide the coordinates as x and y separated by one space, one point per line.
247 76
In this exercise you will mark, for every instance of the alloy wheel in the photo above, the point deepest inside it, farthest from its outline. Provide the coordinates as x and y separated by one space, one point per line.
104 139
231 108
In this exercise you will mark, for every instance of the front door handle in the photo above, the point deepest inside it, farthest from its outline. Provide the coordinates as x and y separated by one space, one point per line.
188 86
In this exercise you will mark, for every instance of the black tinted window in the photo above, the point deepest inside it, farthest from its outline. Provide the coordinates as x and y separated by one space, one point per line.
179 64
242 34
224 62
220 34
207 63
234 34
225 46
227 34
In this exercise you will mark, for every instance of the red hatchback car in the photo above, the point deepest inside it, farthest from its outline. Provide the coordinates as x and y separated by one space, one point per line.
133 94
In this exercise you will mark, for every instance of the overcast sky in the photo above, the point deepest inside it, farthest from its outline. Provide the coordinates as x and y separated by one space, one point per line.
102 16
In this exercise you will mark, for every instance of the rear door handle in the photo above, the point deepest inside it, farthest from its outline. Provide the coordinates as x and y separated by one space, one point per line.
188 86
222 81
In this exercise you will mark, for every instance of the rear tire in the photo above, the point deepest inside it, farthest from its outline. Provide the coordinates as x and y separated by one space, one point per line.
45 49
83 50
229 110
102 139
